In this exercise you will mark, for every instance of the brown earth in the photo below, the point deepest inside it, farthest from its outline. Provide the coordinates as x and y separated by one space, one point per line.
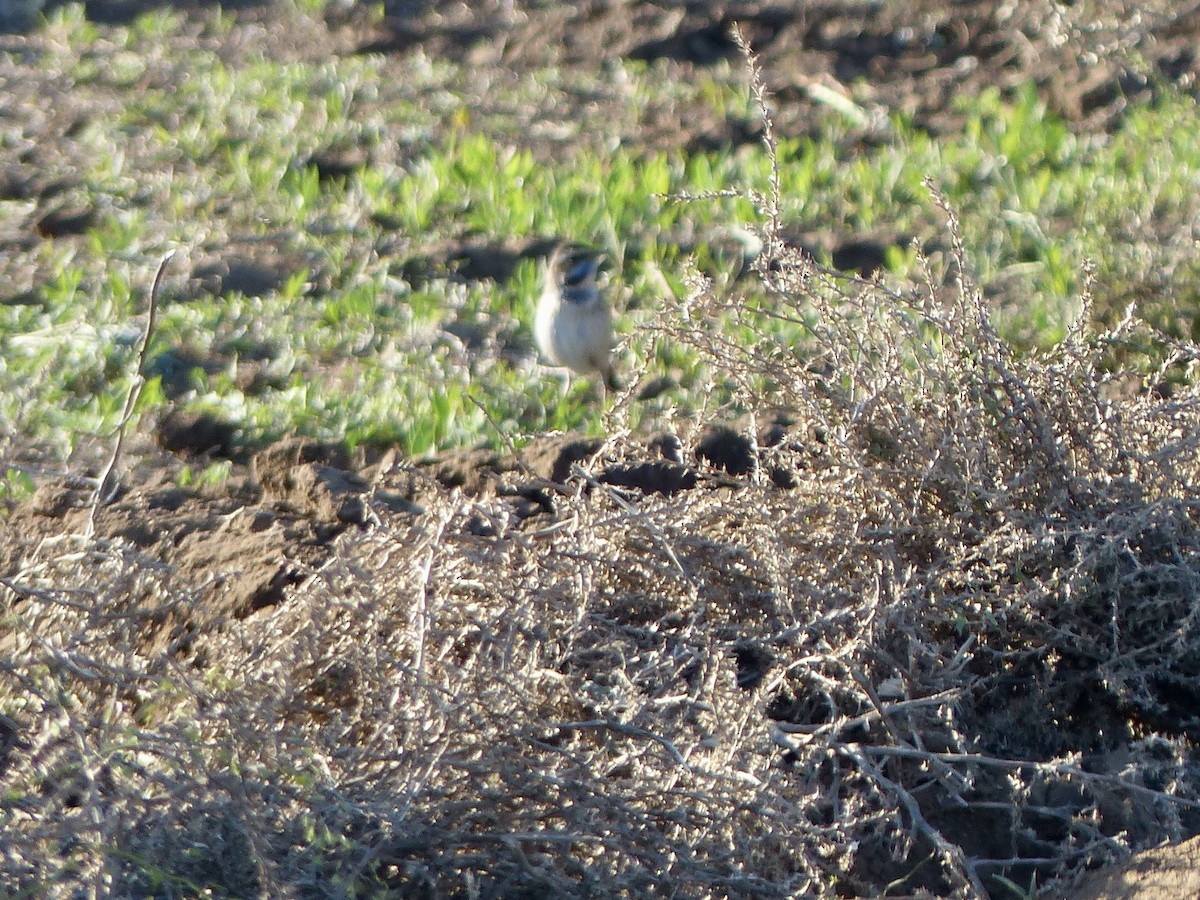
234 553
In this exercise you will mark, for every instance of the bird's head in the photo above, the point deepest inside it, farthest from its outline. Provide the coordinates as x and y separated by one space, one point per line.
574 268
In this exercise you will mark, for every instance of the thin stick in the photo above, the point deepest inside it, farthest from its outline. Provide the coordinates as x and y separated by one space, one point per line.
1055 768
105 490
631 731
952 854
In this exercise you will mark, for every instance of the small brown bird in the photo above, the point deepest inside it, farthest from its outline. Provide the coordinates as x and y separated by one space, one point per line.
574 324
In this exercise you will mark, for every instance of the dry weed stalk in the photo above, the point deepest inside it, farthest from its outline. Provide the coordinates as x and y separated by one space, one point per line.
106 485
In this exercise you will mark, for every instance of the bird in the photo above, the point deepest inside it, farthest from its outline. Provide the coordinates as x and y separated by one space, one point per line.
573 325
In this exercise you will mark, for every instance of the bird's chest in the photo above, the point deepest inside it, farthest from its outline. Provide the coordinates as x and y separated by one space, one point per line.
572 332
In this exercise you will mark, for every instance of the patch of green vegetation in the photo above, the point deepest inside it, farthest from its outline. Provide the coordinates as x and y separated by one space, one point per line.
212 474
15 486
366 344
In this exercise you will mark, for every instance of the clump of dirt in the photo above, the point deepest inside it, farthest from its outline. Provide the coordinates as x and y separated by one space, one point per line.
1163 872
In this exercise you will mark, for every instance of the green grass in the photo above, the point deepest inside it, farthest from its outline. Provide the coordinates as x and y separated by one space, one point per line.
360 349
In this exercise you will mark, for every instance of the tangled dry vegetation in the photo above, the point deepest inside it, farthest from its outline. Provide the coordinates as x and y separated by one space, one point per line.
937 633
